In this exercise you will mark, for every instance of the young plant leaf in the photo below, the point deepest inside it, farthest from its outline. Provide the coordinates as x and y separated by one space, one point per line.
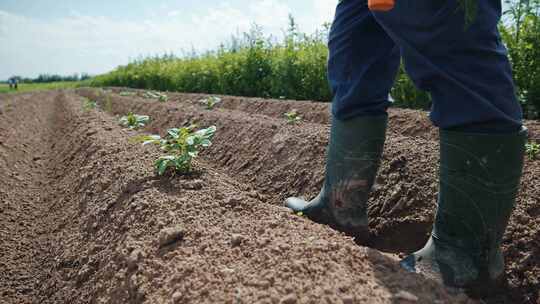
134 121
181 146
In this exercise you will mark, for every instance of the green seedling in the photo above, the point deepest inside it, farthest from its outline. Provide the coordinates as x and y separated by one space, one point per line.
181 146
108 104
156 95
293 117
532 149
210 102
89 104
126 93
134 121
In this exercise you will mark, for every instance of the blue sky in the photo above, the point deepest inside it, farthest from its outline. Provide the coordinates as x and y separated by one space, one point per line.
73 36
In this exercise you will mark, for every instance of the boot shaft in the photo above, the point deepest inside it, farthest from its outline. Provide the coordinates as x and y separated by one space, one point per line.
353 158
479 180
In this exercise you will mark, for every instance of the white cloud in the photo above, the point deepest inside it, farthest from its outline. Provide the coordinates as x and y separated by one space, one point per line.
96 44
271 15
320 12
325 10
173 13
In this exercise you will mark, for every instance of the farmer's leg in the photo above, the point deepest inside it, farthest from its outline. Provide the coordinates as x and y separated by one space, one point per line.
467 72
363 62
362 65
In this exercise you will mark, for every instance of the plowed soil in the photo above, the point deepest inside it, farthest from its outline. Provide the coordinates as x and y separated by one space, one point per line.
84 218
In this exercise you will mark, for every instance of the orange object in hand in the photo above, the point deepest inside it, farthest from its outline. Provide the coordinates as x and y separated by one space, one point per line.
381 5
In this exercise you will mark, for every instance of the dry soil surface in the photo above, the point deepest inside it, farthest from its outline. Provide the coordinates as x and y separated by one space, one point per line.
84 218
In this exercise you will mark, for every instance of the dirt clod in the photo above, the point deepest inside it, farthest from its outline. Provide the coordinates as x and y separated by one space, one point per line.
133 259
289 299
168 236
236 240
195 184
176 297
347 300
405 295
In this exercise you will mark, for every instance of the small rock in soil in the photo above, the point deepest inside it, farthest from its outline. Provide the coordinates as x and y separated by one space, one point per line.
289 299
176 297
230 202
134 258
236 240
347 300
83 274
196 184
405 295
227 271
170 235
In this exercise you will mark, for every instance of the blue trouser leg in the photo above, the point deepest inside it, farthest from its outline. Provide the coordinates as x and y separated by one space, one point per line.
466 71
362 64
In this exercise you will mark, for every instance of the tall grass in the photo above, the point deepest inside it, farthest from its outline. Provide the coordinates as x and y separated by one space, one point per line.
521 34
295 68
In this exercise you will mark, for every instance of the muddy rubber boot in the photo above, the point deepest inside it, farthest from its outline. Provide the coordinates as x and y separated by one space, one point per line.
353 158
478 183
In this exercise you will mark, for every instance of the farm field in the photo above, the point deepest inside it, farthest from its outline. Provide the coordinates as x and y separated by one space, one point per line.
85 219
29 87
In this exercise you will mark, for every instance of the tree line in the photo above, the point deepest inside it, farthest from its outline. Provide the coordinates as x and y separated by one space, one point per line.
47 78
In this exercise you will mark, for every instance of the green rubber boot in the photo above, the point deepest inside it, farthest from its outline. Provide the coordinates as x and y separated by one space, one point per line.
353 158
479 181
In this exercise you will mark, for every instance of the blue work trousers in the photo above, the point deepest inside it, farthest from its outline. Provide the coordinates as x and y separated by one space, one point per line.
464 68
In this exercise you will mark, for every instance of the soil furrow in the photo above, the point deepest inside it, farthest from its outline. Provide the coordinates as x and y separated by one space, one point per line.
23 159
402 122
258 148
279 160
118 234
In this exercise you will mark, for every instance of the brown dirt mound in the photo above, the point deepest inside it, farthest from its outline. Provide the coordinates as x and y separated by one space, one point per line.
256 146
279 160
409 122
83 218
